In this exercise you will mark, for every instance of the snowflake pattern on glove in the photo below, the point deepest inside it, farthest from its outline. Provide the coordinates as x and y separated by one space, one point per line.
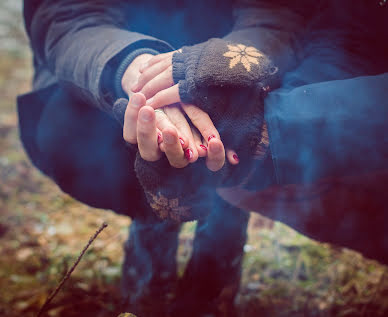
242 54
169 208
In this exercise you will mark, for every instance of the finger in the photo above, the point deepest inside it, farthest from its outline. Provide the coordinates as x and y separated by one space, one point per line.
130 119
232 157
158 83
165 97
201 121
202 149
156 59
176 116
163 122
215 155
159 136
150 73
147 135
173 148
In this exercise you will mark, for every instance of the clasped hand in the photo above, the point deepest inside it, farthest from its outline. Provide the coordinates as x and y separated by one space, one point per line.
149 85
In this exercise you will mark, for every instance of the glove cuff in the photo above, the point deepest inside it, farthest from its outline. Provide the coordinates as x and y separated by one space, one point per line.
178 66
168 197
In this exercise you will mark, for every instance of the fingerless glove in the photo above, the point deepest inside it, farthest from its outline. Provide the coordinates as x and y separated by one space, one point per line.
229 82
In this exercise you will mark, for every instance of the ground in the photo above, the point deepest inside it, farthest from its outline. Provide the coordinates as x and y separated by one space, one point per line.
42 231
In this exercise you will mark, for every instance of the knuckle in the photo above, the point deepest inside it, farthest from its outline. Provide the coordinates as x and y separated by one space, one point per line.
128 136
146 90
145 77
142 133
128 116
154 59
158 99
130 139
195 114
214 167
179 164
168 76
150 157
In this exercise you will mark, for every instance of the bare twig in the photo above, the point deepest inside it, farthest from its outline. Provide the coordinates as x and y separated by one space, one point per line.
66 277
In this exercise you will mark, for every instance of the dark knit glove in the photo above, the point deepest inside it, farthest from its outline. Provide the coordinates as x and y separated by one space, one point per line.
229 82
178 194
185 194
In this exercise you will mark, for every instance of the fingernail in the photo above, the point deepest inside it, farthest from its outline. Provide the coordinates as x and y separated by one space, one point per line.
146 116
211 137
236 158
159 137
182 141
203 147
135 87
136 101
188 154
150 101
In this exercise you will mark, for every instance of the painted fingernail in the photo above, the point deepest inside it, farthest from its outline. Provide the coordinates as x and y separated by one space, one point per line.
182 141
150 101
159 137
136 101
211 137
146 116
188 154
203 147
236 158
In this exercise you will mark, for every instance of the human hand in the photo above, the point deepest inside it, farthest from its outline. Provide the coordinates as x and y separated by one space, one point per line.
176 127
148 134
145 120
155 82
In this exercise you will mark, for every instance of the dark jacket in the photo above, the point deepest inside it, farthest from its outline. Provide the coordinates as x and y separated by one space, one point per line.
79 48
328 120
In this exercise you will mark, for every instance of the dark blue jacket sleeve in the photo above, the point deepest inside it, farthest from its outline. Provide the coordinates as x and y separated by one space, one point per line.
330 117
77 39
328 129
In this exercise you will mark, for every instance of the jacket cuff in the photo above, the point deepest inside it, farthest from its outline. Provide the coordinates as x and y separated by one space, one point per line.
109 77
119 92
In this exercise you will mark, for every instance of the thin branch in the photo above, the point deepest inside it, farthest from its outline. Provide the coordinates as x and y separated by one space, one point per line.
66 277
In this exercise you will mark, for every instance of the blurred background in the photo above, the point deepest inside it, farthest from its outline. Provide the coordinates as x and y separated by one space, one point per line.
43 230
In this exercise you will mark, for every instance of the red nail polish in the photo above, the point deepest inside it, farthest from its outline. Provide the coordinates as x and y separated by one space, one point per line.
204 147
159 137
188 154
181 141
211 137
236 158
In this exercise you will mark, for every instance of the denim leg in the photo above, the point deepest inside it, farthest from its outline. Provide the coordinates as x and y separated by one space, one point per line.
149 268
212 277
